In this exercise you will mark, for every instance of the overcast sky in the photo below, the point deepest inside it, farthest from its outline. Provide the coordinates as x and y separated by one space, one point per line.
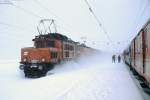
122 19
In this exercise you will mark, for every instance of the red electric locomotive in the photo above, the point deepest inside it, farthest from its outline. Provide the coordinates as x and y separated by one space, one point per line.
49 49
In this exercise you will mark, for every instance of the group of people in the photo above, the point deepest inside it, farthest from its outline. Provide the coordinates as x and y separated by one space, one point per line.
115 57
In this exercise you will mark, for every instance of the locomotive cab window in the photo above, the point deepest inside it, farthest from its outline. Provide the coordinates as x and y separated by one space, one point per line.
44 43
38 44
54 55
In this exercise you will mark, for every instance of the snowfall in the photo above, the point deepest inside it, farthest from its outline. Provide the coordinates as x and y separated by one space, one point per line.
88 78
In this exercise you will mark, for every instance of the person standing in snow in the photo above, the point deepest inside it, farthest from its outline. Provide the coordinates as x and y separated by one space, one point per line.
119 59
113 58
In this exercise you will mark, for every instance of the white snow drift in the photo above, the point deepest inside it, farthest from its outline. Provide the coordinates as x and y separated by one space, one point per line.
90 78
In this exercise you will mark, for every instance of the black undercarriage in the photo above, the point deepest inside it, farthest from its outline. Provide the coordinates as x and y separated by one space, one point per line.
36 70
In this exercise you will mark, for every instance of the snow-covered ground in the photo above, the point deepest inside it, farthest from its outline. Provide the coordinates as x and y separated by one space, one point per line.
90 78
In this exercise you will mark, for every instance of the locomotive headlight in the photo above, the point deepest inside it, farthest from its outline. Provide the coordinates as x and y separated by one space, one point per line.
25 53
43 60
24 59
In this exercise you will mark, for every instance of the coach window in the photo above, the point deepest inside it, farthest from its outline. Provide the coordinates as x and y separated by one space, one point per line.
65 47
71 48
67 54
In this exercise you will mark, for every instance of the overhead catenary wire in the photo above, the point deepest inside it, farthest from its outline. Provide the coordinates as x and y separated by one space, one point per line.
16 27
5 2
138 19
66 27
27 11
110 41
24 10
52 13
143 11
19 28
98 21
43 7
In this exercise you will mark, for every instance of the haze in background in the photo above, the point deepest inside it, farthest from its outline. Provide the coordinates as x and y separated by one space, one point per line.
122 20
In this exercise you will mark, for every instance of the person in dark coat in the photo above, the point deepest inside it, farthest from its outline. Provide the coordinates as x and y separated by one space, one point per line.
119 59
113 58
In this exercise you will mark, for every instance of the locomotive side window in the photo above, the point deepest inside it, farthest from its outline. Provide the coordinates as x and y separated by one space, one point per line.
54 55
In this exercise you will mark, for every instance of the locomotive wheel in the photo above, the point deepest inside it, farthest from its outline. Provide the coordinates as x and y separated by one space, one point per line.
44 71
46 68
33 73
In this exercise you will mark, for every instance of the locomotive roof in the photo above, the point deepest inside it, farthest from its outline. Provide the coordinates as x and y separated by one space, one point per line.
57 36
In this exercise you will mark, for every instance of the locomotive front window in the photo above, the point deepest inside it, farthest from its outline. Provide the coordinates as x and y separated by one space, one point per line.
38 44
44 43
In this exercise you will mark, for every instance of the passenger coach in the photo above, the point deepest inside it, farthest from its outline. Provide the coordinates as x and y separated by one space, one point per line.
137 55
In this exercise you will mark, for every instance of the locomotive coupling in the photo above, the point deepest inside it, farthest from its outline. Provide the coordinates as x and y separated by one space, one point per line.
40 67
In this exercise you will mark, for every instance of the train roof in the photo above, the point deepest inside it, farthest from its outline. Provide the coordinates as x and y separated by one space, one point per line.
57 36
146 23
142 29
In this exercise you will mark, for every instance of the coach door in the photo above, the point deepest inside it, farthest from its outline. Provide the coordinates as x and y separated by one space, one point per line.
144 49
147 50
133 53
139 53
